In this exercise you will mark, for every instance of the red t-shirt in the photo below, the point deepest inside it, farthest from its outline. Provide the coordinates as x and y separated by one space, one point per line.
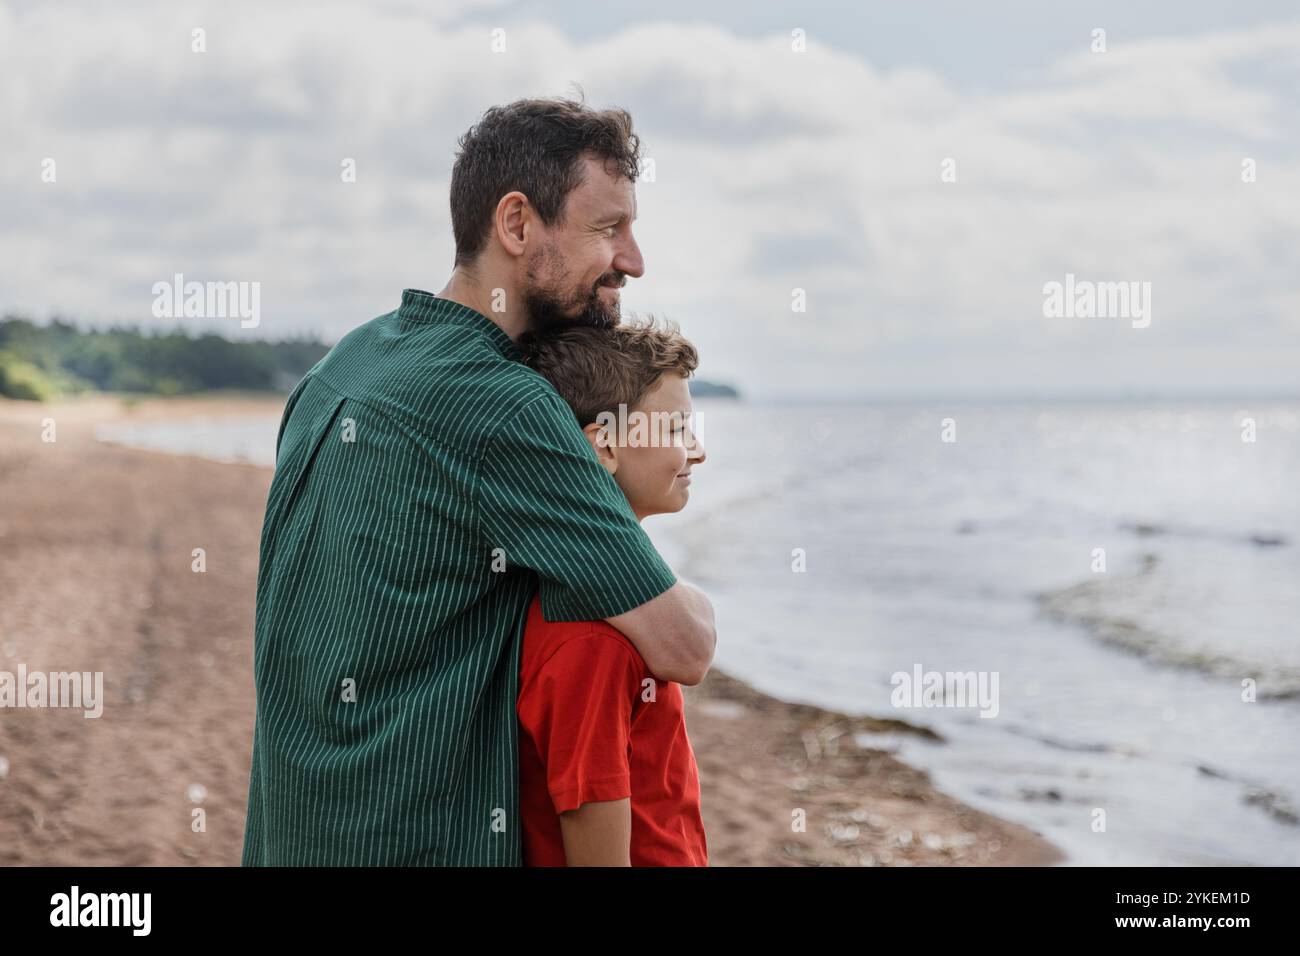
594 725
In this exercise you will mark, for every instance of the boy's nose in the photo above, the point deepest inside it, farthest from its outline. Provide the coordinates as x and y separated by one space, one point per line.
696 452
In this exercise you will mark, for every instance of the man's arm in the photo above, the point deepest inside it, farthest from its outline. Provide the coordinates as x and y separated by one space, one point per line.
598 834
674 633
549 505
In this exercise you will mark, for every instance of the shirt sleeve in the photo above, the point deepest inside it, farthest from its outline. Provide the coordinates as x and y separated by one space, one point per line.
290 402
577 708
552 507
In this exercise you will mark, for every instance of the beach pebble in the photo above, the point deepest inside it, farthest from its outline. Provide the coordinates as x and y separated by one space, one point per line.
729 709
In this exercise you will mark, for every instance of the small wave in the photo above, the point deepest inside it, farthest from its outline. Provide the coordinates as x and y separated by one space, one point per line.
1142 529
1271 802
1074 746
1260 539
1098 605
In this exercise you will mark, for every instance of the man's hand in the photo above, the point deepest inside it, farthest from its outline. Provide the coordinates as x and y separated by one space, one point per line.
598 834
674 633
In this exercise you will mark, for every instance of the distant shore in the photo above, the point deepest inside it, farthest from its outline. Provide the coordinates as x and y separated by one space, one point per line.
97 546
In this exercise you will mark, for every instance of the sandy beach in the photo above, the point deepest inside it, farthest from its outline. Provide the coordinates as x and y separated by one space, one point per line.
97 546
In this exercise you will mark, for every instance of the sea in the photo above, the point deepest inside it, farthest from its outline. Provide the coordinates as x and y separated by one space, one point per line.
1124 575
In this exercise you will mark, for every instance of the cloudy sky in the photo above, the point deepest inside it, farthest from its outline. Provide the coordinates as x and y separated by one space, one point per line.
775 168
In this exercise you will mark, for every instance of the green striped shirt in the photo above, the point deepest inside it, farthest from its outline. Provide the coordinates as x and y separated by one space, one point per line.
426 485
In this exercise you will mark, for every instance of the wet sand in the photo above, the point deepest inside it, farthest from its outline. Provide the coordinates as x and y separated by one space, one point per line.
96 554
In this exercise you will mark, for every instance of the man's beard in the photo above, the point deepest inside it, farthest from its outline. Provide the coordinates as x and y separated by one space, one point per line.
548 312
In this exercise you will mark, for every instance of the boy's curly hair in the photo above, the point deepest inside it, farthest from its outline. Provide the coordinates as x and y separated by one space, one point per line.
595 370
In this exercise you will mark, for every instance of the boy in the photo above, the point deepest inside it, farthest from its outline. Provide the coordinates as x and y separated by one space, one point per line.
606 772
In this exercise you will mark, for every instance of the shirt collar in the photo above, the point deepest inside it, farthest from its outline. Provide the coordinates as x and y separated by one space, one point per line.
427 307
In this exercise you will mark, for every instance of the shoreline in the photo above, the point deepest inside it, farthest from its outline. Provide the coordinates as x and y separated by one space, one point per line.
99 552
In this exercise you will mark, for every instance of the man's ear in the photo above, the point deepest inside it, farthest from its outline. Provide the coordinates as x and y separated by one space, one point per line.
511 222
600 440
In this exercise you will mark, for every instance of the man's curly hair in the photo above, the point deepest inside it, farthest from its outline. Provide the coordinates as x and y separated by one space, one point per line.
534 146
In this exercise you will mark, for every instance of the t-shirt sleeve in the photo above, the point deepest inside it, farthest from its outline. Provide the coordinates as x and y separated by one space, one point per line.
550 506
577 708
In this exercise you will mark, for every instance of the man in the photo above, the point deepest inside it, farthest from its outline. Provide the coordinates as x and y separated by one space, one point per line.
426 484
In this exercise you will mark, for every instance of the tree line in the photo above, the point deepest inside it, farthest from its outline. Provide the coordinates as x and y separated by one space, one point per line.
40 362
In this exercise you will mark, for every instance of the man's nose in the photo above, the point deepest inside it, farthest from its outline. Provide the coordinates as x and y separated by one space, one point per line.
628 258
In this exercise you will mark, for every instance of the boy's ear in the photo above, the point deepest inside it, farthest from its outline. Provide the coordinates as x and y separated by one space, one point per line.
601 443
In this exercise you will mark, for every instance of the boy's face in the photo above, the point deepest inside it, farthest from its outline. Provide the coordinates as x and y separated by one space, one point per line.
654 464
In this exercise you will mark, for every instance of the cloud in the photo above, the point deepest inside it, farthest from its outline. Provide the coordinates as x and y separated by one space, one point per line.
775 170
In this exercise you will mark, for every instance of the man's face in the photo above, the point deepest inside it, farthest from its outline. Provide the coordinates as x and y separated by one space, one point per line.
581 263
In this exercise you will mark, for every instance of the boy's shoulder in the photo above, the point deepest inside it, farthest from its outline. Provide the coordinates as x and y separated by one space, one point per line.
543 638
